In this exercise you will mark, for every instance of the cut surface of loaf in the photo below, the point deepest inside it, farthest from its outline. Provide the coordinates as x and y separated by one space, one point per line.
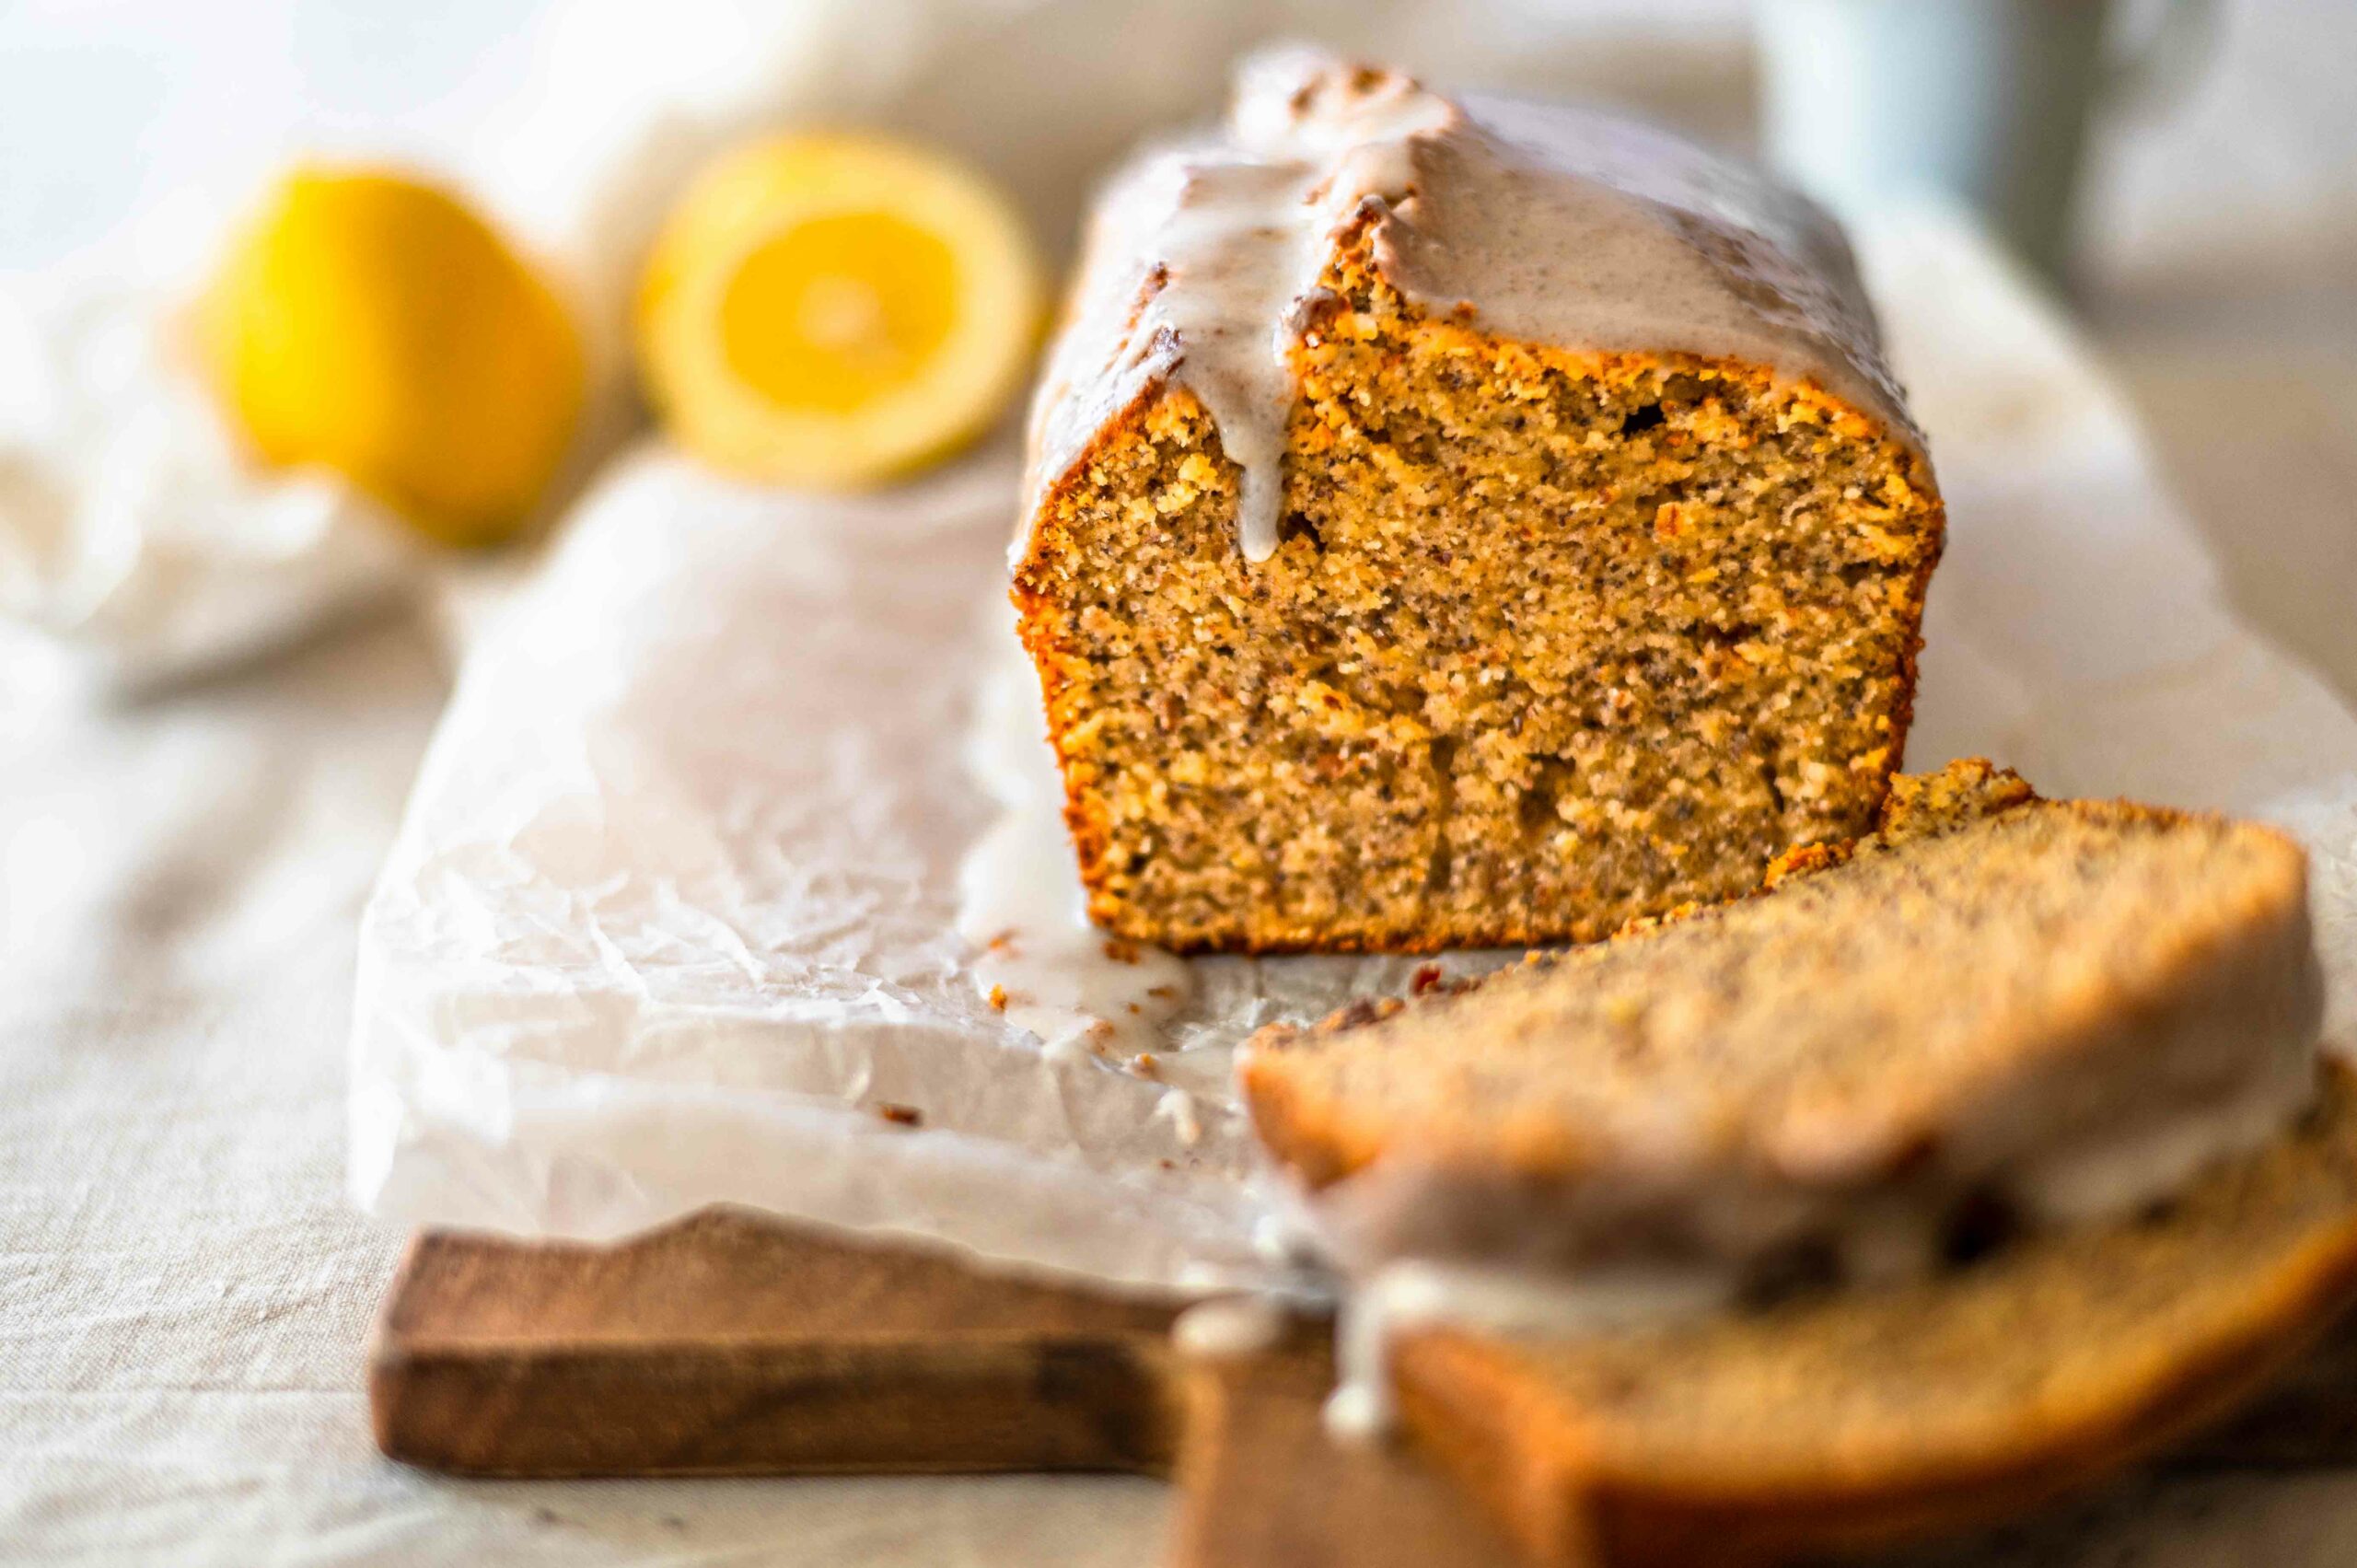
1460 522
1865 1417
2058 1008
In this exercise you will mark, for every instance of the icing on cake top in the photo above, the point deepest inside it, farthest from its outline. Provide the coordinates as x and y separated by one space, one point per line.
1542 223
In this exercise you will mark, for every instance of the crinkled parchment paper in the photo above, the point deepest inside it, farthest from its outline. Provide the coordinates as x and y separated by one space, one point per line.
670 921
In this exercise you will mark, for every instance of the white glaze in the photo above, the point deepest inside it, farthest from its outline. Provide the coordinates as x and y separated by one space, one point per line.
1491 1298
1881 1228
1548 224
1229 1328
1882 1238
1186 1120
1241 242
2111 1174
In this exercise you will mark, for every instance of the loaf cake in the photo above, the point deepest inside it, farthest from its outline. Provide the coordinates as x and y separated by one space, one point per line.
1859 1418
1459 522
1997 1011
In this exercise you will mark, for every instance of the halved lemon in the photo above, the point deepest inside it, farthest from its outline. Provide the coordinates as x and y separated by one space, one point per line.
373 323
834 309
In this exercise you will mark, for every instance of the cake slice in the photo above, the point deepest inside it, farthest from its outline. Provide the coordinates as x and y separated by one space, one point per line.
1959 1166
1456 522
1864 1418
1998 1010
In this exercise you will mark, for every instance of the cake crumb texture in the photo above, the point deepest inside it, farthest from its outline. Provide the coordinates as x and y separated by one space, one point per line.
1551 640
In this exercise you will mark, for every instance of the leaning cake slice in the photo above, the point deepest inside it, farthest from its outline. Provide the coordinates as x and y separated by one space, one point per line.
1997 1011
1961 1165
1458 522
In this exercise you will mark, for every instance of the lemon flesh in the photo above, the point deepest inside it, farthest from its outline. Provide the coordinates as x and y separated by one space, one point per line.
373 324
833 310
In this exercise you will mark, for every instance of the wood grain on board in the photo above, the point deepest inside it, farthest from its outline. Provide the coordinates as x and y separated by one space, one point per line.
1262 1485
726 1345
729 1345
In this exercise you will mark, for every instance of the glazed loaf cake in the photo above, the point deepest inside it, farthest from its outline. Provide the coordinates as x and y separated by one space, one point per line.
1462 522
1999 1011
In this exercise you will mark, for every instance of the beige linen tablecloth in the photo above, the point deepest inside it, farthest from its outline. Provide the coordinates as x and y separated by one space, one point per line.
184 1296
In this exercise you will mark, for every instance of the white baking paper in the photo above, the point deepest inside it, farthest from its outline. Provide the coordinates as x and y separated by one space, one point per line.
672 919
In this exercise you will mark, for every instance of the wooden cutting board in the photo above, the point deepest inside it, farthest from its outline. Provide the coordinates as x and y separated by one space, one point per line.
730 1346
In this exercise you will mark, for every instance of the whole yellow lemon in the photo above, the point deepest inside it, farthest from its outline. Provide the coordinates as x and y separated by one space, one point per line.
833 309
372 323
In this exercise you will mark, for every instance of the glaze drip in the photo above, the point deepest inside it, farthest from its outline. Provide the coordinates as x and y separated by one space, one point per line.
1552 225
1239 225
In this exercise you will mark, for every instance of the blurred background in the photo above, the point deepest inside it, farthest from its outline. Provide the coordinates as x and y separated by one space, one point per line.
255 661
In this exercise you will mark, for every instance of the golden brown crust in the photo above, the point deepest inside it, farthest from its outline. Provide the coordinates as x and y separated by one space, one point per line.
1902 717
2072 1359
1963 791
